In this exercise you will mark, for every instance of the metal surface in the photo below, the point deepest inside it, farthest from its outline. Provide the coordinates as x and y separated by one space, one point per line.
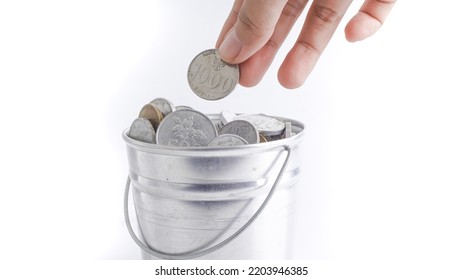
188 200
228 140
152 113
201 252
227 116
288 130
183 107
186 128
266 125
142 130
165 106
210 77
241 128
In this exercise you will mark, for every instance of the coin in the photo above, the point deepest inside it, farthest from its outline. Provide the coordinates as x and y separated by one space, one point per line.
152 113
227 140
288 130
266 125
210 77
218 124
164 105
262 139
142 130
226 116
186 128
241 128
183 107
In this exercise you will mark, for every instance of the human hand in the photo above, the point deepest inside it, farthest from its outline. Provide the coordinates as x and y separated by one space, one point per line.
255 29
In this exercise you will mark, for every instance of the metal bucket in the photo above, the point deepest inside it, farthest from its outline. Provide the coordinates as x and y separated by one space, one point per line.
214 203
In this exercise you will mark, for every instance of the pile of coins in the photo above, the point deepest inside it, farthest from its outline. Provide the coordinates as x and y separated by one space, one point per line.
160 122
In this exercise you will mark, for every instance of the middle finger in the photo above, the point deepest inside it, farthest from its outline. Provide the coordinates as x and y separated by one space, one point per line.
321 22
253 69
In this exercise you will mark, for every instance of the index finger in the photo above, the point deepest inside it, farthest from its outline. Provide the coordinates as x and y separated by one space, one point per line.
254 25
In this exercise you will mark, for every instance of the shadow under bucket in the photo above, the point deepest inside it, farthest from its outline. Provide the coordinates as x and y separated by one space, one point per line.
214 202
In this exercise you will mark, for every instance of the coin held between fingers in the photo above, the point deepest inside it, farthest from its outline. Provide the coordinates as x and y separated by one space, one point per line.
210 78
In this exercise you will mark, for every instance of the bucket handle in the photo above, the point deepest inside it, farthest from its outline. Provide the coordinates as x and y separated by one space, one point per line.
193 255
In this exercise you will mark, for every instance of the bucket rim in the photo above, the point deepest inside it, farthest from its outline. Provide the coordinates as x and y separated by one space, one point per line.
149 147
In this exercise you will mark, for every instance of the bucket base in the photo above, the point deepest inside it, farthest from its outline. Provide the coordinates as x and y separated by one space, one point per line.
267 238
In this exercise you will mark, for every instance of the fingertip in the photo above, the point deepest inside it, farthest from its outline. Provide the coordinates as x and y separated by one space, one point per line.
252 70
360 27
350 32
297 66
247 84
289 85
230 48
290 81
248 80
221 38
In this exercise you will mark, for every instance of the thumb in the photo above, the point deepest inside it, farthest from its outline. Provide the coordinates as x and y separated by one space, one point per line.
253 28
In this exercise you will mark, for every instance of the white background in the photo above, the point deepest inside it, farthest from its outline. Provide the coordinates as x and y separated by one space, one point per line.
382 174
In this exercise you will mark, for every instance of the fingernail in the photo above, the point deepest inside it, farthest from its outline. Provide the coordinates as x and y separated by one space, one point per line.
230 48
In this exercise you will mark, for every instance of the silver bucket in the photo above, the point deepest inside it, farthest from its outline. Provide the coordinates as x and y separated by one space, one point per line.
214 203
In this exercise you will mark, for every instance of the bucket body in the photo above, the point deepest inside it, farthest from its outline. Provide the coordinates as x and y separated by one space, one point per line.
190 199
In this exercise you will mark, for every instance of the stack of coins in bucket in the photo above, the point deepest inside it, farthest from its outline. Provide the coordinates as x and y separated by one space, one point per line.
160 122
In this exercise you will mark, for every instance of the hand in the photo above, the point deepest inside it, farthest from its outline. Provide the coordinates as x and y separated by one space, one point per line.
255 29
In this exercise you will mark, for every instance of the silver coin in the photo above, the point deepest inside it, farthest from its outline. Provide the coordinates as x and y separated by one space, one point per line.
226 116
218 124
164 105
288 130
210 77
183 107
186 128
274 137
225 140
241 128
266 125
216 121
142 130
